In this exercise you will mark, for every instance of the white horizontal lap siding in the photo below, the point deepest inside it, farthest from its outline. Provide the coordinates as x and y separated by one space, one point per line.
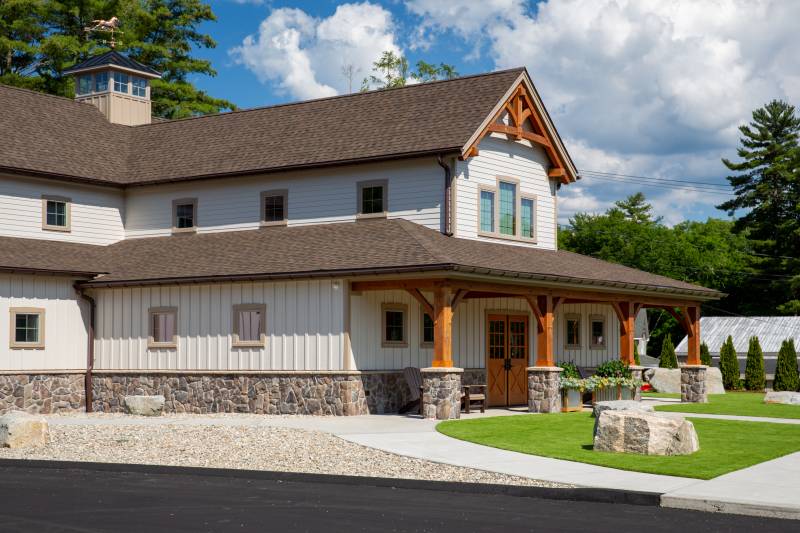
586 355
96 212
65 335
519 160
469 331
416 189
304 327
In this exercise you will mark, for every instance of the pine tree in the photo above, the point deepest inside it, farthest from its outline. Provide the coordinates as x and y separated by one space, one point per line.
754 371
786 374
729 365
705 355
668 358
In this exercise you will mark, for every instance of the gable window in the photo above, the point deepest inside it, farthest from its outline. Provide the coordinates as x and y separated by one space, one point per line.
27 327
121 82
597 325
274 207
427 330
249 325
508 208
184 215
84 84
394 325
100 82
163 325
372 198
503 212
56 213
526 217
573 327
139 86
487 211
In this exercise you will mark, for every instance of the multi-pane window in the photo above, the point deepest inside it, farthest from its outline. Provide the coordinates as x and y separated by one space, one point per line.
184 214
28 327
487 211
273 207
56 213
84 84
121 81
249 325
138 86
573 327
598 330
100 82
427 329
508 208
394 325
526 218
372 199
163 327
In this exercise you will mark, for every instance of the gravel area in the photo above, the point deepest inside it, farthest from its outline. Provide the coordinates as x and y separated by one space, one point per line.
242 447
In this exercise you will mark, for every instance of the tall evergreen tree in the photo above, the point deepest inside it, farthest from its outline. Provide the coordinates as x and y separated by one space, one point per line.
786 372
729 365
754 378
705 355
668 358
767 189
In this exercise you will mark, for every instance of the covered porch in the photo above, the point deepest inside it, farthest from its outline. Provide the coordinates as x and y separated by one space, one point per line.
519 350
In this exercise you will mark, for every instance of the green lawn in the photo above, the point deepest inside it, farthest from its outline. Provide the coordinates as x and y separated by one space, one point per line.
661 395
737 403
725 445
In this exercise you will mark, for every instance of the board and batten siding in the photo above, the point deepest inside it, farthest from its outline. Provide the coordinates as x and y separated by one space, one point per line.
415 192
65 334
469 332
519 160
304 326
96 212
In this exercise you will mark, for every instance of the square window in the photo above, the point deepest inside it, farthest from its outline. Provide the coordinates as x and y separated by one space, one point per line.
121 81
184 214
55 213
163 327
508 208
274 207
139 86
27 327
487 211
100 82
598 328
394 325
427 329
573 326
249 324
527 214
372 198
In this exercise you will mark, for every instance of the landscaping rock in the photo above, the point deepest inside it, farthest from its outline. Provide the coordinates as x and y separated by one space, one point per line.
144 405
644 433
19 429
786 397
618 405
714 381
664 379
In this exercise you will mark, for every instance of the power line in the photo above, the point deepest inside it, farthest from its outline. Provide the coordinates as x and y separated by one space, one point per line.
691 182
699 188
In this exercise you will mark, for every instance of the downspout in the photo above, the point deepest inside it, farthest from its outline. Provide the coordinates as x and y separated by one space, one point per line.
448 185
87 384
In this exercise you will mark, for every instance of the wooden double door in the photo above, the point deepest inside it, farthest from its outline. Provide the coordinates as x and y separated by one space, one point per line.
507 339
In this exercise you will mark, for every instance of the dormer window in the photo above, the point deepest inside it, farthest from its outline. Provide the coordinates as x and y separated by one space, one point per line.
121 81
184 215
55 213
100 82
139 86
372 198
84 84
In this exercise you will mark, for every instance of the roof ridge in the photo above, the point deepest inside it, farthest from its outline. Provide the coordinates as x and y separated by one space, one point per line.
334 97
38 93
407 225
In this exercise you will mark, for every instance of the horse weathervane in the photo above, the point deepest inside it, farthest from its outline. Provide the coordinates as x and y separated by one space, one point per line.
107 26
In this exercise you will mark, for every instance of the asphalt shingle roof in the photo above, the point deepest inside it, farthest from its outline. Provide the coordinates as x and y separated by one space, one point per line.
112 59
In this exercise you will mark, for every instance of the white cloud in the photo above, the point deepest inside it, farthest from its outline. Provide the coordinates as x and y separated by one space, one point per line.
304 56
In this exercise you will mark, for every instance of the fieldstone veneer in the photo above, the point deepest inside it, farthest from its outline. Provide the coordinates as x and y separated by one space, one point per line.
309 394
42 393
441 393
693 384
544 389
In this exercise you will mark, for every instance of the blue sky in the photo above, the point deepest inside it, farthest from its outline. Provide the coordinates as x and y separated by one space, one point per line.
652 88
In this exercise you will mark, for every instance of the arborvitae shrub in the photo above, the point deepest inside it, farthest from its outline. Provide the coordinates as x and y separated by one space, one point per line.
729 365
786 374
636 353
754 371
705 355
668 358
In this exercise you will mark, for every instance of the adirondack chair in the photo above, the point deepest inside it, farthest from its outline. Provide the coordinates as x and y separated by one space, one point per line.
414 379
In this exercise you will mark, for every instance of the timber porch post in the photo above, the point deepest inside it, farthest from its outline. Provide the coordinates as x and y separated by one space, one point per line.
544 338
441 383
693 374
442 327
627 329
544 384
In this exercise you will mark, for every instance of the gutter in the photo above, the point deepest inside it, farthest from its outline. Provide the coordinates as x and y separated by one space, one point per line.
448 185
87 384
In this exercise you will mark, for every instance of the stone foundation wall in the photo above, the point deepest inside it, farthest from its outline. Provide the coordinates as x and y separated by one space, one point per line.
473 376
42 393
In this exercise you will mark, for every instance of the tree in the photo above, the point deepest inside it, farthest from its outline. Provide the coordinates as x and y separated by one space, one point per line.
729 365
786 373
705 355
754 370
668 358
428 72
636 209
391 70
22 29
767 189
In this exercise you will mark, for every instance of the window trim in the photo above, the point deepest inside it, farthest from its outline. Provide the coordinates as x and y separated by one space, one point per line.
262 333
592 320
403 308
113 82
184 201
12 342
360 186
68 212
133 86
267 194
422 342
151 342
494 189
567 318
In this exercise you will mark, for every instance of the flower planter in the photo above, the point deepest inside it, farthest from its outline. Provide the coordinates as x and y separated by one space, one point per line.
571 400
614 392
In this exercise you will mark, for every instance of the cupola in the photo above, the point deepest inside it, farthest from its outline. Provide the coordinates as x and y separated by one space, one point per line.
117 85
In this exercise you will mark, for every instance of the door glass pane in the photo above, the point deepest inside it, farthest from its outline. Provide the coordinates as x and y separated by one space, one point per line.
497 339
517 344
508 208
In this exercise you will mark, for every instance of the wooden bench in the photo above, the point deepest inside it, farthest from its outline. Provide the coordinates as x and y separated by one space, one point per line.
469 396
